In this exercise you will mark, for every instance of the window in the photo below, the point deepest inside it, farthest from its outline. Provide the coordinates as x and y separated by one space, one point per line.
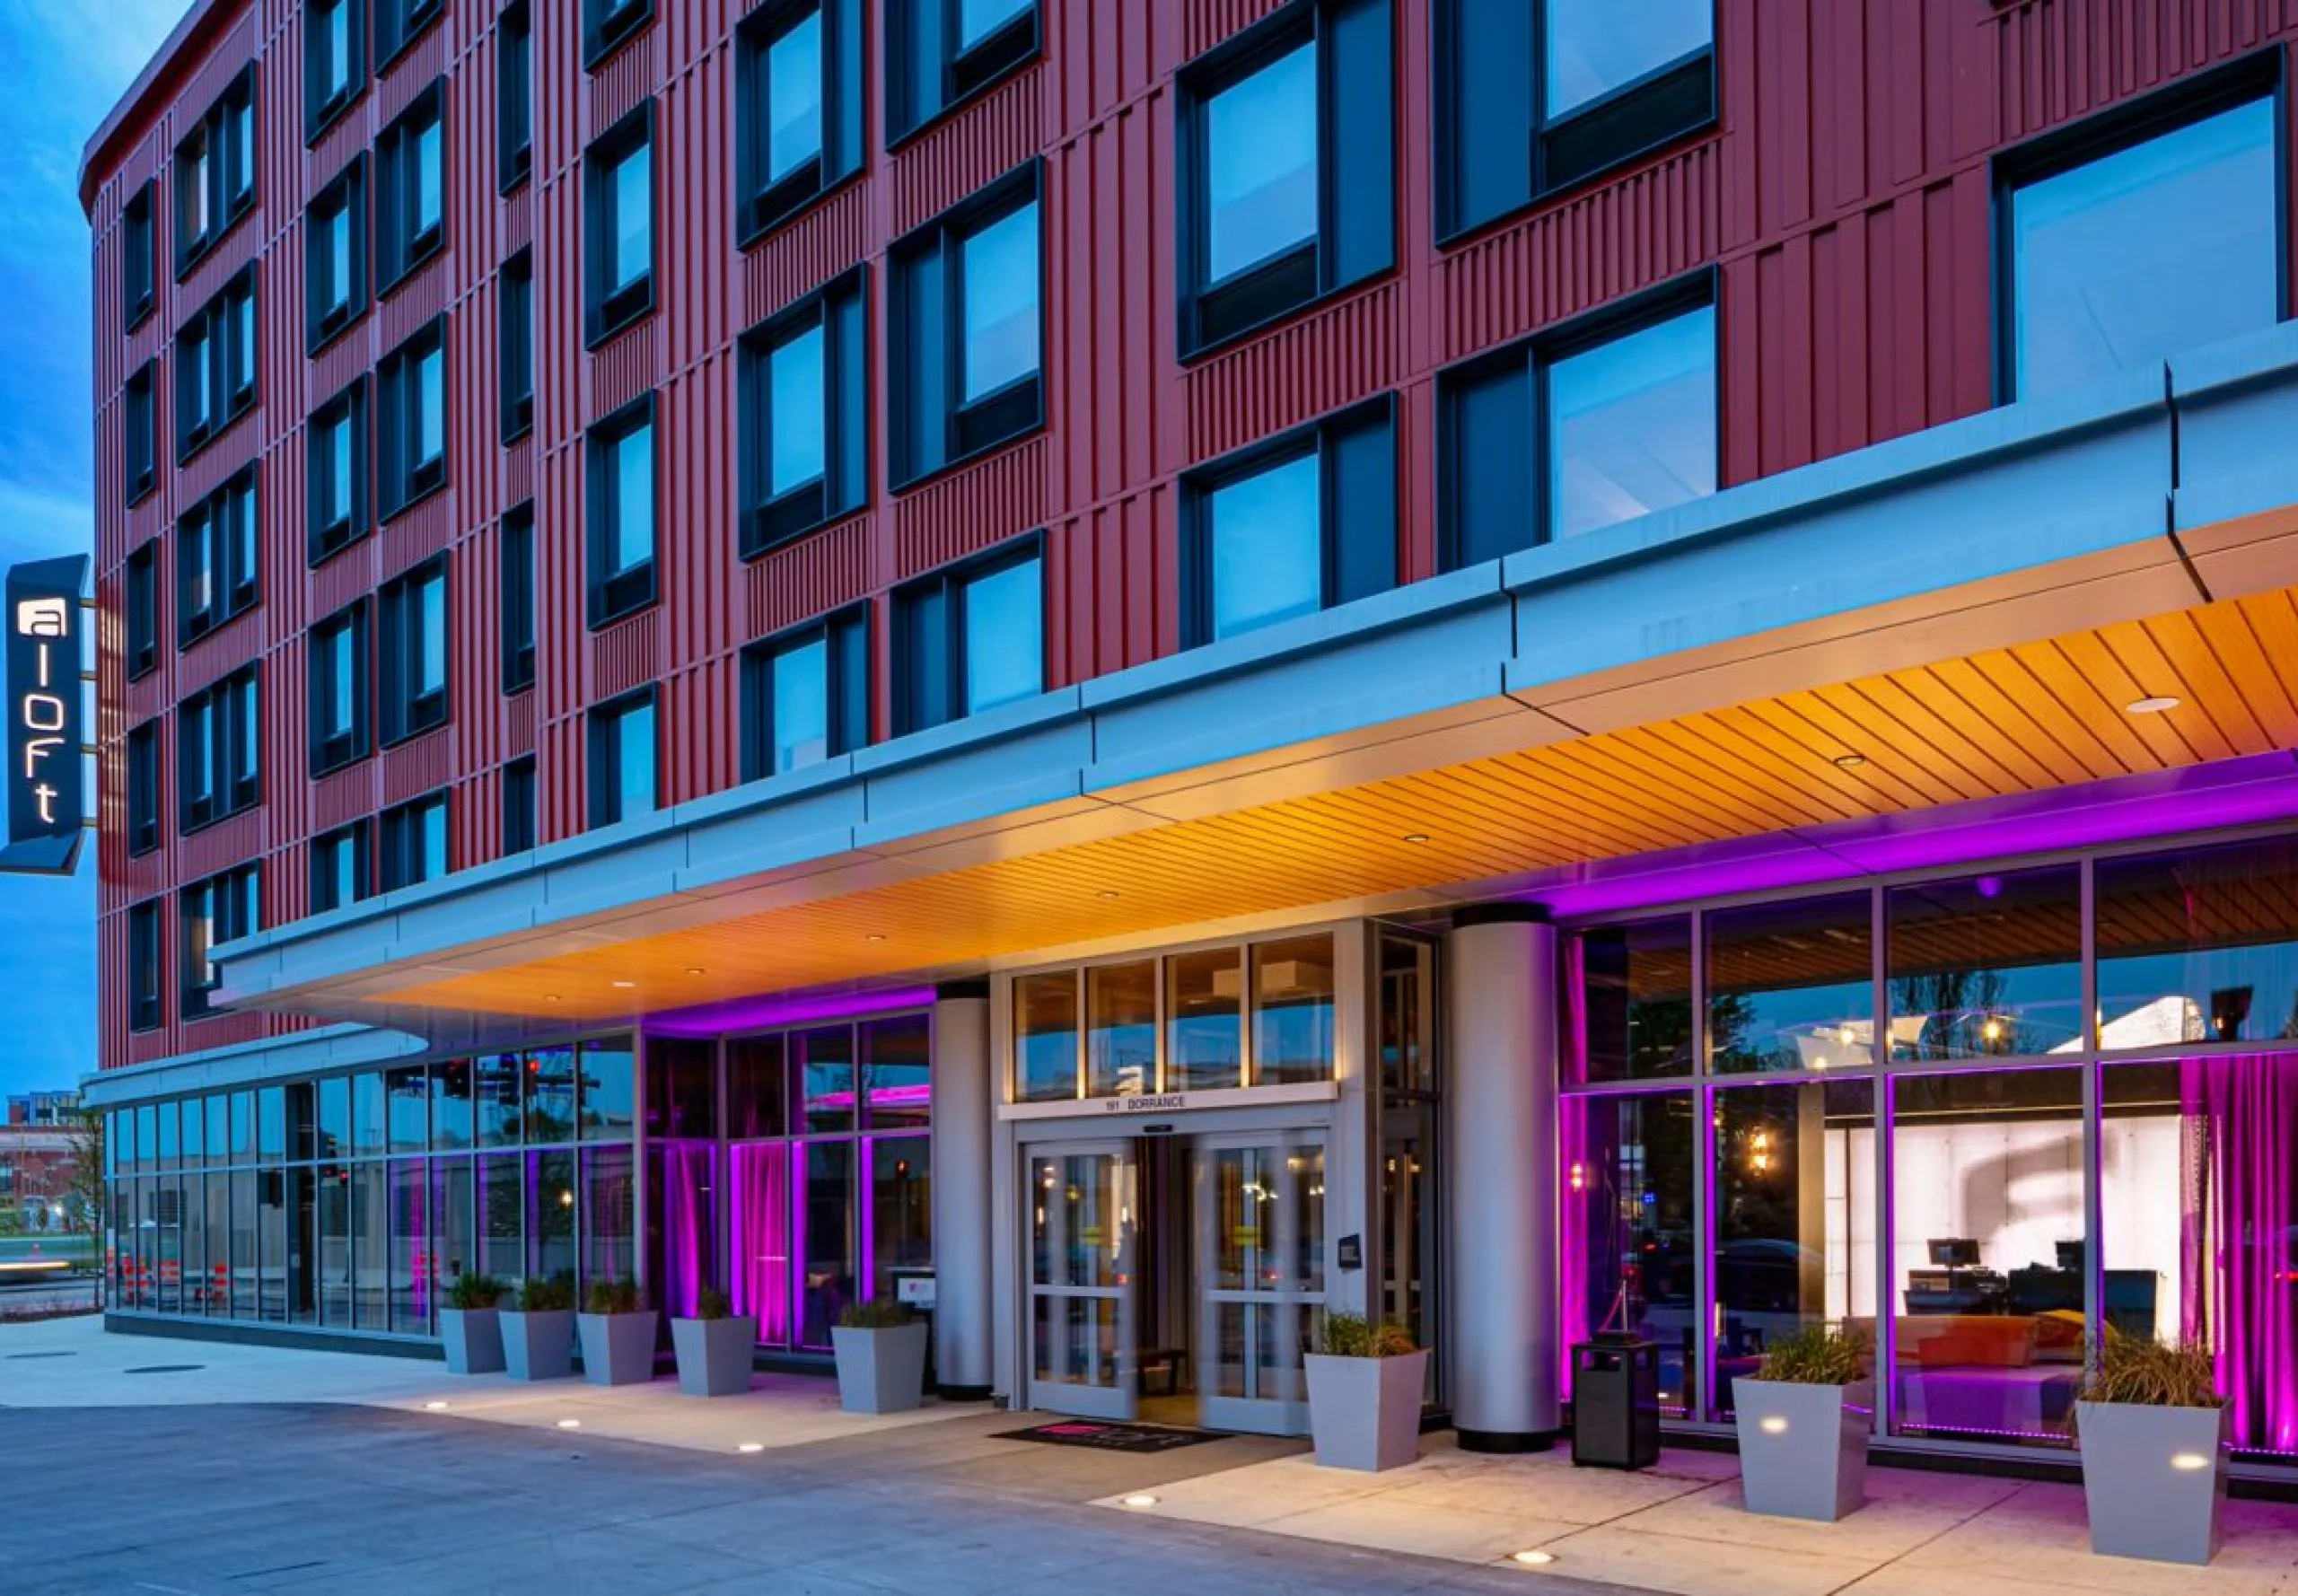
415 842
964 340
514 96
342 873
2120 256
139 435
410 212
517 551
414 652
622 759
1289 167
517 329
215 560
1597 422
335 473
969 639
806 415
216 365
141 603
335 256
220 909
144 788
941 52
144 967
618 224
608 24
339 690
519 805
214 171
622 512
219 731
806 695
798 107
1292 526
412 388
1533 97
399 21
335 60
138 259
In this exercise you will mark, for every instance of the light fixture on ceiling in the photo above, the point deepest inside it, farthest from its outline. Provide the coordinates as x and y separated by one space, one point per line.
625 985
550 997
1107 893
434 1407
876 937
2153 704
1849 761
695 969
1415 837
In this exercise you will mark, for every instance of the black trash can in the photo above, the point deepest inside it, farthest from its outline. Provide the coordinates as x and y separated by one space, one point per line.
1616 1403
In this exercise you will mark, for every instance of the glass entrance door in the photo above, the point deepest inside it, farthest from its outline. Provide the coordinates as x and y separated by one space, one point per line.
1260 1268
1084 1248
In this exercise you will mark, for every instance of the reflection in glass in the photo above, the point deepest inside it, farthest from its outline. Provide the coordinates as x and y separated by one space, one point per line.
550 1215
452 1124
756 1096
498 1077
2199 946
1791 986
681 1223
1265 549
333 1121
828 1169
999 273
414 1269
371 1254
1293 997
1045 1038
368 1126
823 1061
610 1215
1632 985
900 1209
1260 135
800 711
1628 1239
332 1204
408 1094
1632 424
1005 637
607 1083
551 1095
1593 47
502 1237
1205 1033
896 1060
1794 1219
793 99
795 405
681 1088
1986 966
1121 1030
454 1222
759 1237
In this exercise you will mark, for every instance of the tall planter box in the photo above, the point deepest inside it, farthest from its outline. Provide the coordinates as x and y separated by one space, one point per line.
618 1348
539 1345
1803 1448
880 1370
1364 1413
714 1354
473 1337
2153 1479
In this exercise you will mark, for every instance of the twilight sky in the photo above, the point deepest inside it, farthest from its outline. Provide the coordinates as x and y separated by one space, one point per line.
63 64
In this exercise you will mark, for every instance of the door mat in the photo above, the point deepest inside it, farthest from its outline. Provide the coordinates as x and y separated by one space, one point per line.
1109 1437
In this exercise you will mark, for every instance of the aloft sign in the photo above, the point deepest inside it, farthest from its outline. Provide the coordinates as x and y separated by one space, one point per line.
46 782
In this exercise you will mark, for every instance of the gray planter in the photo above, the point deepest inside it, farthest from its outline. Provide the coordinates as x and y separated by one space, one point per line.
473 1337
1803 1448
1364 1413
714 1355
539 1345
880 1370
2153 1479
618 1348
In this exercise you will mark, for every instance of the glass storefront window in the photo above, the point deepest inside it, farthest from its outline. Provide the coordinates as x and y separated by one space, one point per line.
681 1087
1987 1266
1121 1028
682 1222
454 1228
147 1138
828 1284
1205 1026
1631 1014
274 1294
1986 966
501 1212
896 1057
1045 1037
334 1119
271 1119
496 1076
609 1083
453 1120
550 1097
246 1271
371 1257
550 1215
610 1215
1628 1235
1791 986
219 1129
1292 1010
759 1237
370 1126
243 1126
1793 1182
194 1134
170 1148
899 1208
822 1060
756 1097
2198 946
332 1202
407 1092
413 1269
219 1276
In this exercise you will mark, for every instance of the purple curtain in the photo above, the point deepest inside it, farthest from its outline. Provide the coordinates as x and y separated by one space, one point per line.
761 1264
687 1170
2239 1241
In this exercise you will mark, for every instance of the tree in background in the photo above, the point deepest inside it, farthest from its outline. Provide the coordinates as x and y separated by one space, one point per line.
83 1189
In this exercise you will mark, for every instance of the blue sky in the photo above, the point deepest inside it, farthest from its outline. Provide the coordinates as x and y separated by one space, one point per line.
63 64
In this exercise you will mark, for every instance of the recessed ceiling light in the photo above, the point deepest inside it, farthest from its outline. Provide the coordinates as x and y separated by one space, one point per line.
1849 761
570 1424
876 937
1532 1559
1109 893
695 969
626 984
550 997
2155 704
1141 1499
1415 837
752 1446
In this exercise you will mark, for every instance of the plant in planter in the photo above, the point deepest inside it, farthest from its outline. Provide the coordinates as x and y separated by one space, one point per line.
2154 1433
713 1347
538 1335
880 1348
618 1334
470 1326
1365 1380
1803 1420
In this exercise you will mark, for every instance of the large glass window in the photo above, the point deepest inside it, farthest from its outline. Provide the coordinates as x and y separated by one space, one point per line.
1261 165
822 1060
1592 50
964 331
1004 646
623 760
1986 966
1631 988
610 1215
618 224
900 1209
758 1237
681 1089
1791 986
756 1093
828 1283
1046 1037
1121 1030
1266 532
608 1082
1631 424
896 1062
1205 1019
1292 1011
805 696
1630 1231
621 512
551 1201
2198 946
969 640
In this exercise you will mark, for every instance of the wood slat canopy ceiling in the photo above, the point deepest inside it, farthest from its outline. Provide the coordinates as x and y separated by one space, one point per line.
1989 724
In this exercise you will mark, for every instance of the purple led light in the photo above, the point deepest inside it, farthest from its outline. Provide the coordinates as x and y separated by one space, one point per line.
769 1012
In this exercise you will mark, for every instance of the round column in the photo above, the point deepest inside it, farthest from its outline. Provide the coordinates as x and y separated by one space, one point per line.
1500 1104
962 1099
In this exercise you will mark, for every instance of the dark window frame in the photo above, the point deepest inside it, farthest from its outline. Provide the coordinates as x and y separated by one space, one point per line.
143 762
1699 289
840 309
323 322
322 110
602 725
145 961
140 608
217 328
608 312
515 343
926 341
401 249
514 97
398 23
232 896
139 256
947 585
229 119
234 563
356 742
324 540
919 43
234 767
1319 438
609 25
608 598
844 632
761 206
403 712
1213 314
139 435
360 835
521 829
516 583
401 845
401 480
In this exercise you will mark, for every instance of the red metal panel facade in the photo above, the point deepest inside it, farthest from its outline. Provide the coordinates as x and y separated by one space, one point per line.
1844 200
